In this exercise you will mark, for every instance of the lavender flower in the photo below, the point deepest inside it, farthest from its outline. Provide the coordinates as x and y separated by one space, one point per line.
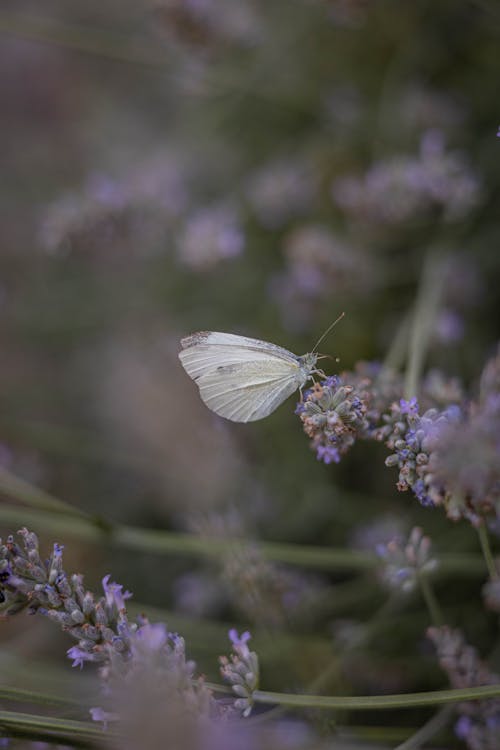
466 460
413 438
241 671
148 680
405 562
143 203
209 236
332 415
317 261
104 633
446 456
407 188
479 722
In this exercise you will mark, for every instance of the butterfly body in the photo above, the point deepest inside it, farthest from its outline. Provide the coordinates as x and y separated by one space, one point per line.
240 378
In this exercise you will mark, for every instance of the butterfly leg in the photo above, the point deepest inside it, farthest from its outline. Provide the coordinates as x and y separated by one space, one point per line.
321 373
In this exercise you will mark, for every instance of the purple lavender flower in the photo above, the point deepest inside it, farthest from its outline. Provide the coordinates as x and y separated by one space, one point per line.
479 722
241 671
209 236
405 188
317 260
405 561
409 407
332 415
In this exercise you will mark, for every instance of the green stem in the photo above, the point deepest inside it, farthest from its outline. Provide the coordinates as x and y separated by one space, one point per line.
152 541
397 352
60 730
167 542
428 731
377 702
426 307
430 600
486 550
18 489
43 699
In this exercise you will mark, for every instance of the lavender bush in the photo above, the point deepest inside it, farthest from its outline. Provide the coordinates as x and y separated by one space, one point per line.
257 168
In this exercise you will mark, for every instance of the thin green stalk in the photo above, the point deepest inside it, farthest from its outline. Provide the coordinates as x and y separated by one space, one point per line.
396 354
377 702
426 307
61 730
18 489
151 541
428 731
431 600
42 699
487 552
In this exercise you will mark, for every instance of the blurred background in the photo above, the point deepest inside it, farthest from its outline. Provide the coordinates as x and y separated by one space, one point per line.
250 167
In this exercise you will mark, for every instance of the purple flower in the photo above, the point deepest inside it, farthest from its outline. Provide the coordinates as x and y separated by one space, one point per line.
79 656
463 727
241 671
240 642
114 594
409 407
98 714
210 235
153 636
328 454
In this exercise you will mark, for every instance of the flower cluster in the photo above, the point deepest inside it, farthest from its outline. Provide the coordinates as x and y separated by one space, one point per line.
479 722
210 235
404 562
141 203
241 671
413 438
101 627
406 188
332 415
317 261
128 653
447 454
467 458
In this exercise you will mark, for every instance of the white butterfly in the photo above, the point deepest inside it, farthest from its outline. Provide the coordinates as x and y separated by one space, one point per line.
243 379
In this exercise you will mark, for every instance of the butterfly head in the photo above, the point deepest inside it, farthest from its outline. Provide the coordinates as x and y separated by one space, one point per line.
308 361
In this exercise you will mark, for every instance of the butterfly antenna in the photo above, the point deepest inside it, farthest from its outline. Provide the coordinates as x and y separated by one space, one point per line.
318 342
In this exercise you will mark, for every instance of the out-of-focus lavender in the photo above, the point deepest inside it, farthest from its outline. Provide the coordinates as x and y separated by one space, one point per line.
317 261
478 724
412 188
210 235
138 208
404 561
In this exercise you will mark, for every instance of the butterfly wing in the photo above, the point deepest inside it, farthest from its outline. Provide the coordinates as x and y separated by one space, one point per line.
239 378
244 395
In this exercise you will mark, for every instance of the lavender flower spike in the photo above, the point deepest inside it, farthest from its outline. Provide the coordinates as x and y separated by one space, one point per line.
241 671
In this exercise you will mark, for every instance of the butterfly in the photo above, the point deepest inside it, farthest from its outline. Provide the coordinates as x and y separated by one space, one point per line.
244 379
